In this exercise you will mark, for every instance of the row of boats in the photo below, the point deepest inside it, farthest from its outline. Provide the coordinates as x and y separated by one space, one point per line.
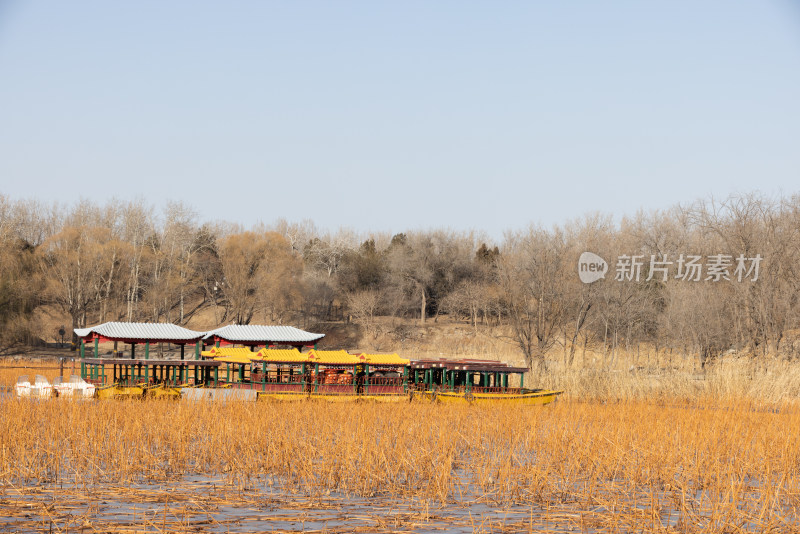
76 387
226 373
332 378
289 367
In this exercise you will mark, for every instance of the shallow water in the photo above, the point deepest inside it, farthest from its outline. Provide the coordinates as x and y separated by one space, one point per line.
202 504
199 503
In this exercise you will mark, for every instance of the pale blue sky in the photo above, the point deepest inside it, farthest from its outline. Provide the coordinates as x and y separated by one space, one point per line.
391 116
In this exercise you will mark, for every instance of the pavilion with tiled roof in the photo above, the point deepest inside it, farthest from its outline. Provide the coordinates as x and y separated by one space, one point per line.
132 369
252 335
143 369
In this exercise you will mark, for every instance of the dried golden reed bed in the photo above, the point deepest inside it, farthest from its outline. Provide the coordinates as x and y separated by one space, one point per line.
703 466
714 461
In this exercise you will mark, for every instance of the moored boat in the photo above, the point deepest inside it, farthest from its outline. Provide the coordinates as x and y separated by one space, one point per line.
74 387
525 397
475 381
338 376
23 386
41 388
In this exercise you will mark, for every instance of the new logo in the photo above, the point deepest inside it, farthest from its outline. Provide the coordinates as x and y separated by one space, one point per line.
591 267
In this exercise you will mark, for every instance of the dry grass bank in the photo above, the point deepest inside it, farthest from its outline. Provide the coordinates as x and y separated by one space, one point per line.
775 383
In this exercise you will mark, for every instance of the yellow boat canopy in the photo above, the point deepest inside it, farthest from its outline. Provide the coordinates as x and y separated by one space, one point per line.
333 357
240 359
383 359
238 355
221 352
281 356
321 357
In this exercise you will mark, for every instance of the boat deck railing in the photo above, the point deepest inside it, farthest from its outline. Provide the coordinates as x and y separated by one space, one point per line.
323 386
141 382
481 389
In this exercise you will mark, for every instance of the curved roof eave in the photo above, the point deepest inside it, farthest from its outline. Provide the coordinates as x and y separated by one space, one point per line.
263 334
141 332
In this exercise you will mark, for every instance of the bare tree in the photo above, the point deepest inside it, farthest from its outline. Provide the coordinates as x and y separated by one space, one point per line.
137 227
260 272
281 285
363 306
470 298
20 282
241 256
531 273
73 261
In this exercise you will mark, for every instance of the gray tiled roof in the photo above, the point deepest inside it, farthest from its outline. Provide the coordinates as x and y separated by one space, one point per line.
143 331
240 333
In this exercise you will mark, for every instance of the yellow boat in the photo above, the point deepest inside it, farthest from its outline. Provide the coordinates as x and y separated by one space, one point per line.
529 398
473 381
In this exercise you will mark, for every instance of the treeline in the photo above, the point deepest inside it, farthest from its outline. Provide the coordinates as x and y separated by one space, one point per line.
702 278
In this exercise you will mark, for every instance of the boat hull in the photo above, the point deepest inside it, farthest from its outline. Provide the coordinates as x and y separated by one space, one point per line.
530 399
226 394
120 392
295 397
164 393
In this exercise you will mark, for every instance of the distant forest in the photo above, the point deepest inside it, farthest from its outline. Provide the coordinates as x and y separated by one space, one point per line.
705 278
